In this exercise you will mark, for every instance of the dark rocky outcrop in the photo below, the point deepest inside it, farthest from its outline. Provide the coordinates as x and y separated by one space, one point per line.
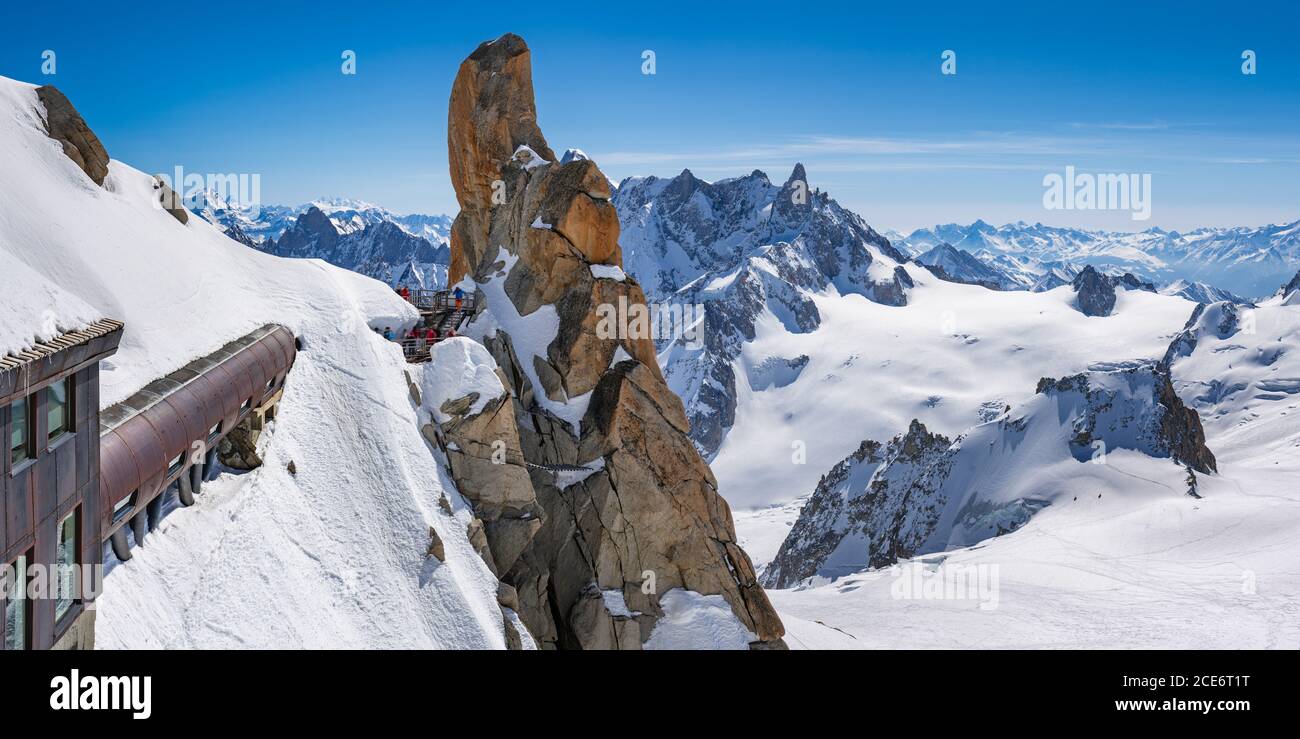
818 530
1291 286
1181 430
238 449
312 235
1096 292
1155 417
64 124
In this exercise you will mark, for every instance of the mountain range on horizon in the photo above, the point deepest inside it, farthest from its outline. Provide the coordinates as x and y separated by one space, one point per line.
398 249
1239 263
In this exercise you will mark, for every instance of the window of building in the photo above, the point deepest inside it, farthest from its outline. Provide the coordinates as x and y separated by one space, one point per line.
65 595
124 506
270 384
58 408
215 431
245 405
175 464
18 609
20 431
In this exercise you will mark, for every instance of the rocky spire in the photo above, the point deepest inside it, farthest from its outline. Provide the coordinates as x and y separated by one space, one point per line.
1096 295
793 203
628 509
490 116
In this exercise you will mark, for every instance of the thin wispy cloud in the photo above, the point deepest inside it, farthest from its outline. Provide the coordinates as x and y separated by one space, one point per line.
975 145
1124 126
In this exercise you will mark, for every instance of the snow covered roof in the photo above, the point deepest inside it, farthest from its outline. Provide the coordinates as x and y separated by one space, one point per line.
59 343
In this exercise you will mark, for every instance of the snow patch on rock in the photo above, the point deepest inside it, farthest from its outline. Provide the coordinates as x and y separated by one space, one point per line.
459 367
530 335
695 621
529 158
608 272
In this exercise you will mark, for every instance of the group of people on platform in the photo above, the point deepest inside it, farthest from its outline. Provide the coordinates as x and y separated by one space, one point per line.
418 340
456 293
422 337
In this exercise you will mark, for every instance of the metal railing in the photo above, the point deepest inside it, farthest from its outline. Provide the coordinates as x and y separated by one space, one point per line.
417 349
448 314
436 300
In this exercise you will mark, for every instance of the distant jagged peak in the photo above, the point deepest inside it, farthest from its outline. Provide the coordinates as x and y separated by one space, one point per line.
683 185
1096 291
798 174
1291 286
316 219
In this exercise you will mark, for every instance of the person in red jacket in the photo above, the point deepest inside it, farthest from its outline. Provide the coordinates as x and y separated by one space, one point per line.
405 293
431 334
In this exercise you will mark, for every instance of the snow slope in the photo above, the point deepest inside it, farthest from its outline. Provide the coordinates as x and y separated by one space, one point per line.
35 310
334 556
1125 559
1115 571
1242 375
954 357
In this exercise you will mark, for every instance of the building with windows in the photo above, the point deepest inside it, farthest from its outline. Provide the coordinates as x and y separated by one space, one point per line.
78 484
49 487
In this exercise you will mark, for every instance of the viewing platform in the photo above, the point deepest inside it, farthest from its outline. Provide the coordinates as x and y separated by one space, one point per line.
440 312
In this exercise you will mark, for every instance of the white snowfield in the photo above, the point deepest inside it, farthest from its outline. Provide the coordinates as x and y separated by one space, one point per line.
955 356
1122 556
332 557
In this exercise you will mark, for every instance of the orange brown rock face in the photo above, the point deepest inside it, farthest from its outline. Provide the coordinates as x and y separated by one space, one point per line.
651 505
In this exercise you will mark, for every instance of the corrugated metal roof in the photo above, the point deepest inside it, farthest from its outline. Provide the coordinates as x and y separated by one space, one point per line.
62 342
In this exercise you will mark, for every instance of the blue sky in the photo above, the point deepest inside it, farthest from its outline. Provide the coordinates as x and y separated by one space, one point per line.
853 90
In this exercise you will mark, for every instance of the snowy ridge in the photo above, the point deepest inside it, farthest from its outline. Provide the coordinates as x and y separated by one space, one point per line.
923 493
748 252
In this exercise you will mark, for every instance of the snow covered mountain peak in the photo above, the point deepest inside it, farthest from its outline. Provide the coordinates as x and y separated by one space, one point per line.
747 252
